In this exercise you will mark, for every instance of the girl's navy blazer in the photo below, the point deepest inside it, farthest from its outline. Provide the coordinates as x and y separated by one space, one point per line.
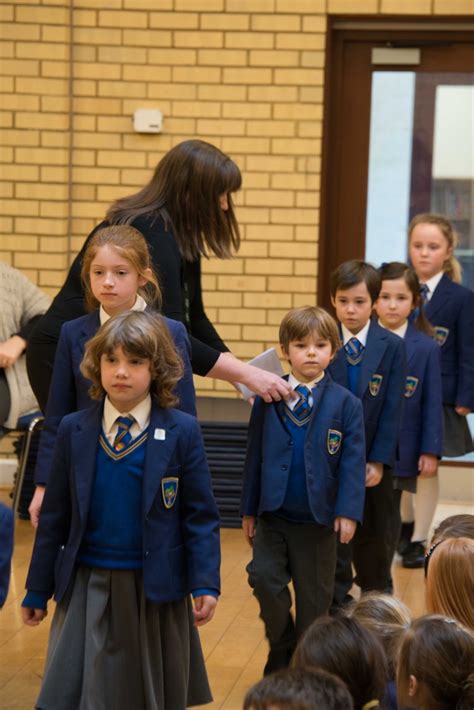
451 312
181 549
69 389
380 387
335 478
421 431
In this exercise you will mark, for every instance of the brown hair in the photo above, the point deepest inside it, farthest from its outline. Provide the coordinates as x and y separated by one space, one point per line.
461 525
387 617
185 192
450 580
140 334
301 322
344 647
351 273
131 245
439 653
398 270
451 266
299 689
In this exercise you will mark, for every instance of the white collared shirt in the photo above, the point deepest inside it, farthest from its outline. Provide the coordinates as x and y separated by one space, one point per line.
140 413
139 305
432 283
401 332
293 382
361 335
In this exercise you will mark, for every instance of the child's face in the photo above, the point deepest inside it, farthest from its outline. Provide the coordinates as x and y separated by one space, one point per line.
125 378
353 307
428 250
308 357
114 281
394 304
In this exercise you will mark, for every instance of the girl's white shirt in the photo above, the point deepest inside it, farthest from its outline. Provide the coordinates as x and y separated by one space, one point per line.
139 305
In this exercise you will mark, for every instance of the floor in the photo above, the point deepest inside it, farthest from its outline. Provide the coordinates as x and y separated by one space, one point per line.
233 642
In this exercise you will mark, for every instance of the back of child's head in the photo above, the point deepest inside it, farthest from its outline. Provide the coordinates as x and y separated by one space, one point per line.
308 320
344 647
139 334
451 267
130 245
387 617
353 272
450 579
395 270
299 689
461 525
439 653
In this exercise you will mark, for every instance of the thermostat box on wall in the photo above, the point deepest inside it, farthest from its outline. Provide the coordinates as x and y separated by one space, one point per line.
147 120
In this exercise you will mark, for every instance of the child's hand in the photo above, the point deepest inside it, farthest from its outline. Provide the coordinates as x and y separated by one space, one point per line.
248 526
35 505
428 465
462 411
33 617
373 474
204 608
346 529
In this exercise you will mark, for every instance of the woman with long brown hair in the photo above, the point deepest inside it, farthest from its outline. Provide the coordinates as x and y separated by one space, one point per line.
184 212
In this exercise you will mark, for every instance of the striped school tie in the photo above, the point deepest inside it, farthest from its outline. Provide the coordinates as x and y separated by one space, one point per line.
302 408
123 436
424 291
354 351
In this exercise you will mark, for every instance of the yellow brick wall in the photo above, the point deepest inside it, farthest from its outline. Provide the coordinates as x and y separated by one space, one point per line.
246 75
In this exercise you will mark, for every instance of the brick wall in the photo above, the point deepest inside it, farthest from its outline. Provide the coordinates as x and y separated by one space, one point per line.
246 75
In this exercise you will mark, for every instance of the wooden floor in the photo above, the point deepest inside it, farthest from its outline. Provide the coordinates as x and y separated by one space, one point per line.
233 642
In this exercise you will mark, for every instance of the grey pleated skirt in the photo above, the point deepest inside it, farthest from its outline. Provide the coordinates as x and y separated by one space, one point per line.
111 649
457 435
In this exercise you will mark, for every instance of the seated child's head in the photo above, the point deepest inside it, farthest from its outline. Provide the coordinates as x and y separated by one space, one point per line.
399 296
436 665
461 525
130 355
355 286
387 617
309 340
449 568
344 647
116 267
299 689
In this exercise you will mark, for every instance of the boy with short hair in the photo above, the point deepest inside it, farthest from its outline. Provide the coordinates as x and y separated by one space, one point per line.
303 483
372 366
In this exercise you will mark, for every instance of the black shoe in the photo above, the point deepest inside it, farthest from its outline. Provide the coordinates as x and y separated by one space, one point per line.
278 658
406 532
414 557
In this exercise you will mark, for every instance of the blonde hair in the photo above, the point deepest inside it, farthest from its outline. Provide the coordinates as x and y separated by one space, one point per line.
301 322
450 580
387 617
131 245
140 334
451 266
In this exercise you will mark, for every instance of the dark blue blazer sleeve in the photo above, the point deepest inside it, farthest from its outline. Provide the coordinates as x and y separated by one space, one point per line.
351 488
465 347
185 387
252 470
432 405
6 549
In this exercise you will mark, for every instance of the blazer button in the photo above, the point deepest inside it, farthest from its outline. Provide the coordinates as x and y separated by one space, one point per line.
147 552
284 467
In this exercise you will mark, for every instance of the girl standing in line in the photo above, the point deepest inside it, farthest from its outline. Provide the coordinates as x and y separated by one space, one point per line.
421 431
117 276
129 528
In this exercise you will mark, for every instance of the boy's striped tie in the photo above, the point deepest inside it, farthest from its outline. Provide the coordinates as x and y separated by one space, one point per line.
354 350
123 437
302 408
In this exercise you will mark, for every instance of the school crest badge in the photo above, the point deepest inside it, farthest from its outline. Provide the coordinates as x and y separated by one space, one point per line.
334 441
375 384
169 491
411 384
440 334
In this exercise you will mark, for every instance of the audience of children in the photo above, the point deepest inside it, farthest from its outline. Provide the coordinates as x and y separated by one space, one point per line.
129 528
461 525
303 484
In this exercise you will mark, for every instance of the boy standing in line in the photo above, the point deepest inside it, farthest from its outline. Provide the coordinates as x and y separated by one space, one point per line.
303 483
372 366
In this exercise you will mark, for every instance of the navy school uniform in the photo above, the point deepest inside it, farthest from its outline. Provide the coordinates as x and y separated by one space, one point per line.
380 387
296 484
69 388
6 549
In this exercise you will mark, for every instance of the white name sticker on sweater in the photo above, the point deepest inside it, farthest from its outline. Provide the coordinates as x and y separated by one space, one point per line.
160 434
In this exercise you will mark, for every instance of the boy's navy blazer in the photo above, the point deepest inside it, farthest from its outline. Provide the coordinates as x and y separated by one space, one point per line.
384 357
421 430
181 549
451 308
69 388
6 549
335 482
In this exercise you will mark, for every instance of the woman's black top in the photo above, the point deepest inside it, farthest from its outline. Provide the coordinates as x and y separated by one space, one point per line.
180 283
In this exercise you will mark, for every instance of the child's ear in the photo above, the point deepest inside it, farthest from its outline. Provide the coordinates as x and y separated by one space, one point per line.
412 686
284 352
333 301
145 277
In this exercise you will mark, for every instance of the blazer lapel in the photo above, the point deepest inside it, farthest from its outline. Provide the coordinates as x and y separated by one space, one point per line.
411 338
441 295
338 368
161 443
89 328
84 445
378 343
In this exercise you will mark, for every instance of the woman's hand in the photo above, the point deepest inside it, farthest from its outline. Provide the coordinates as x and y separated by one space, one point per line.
11 350
268 385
